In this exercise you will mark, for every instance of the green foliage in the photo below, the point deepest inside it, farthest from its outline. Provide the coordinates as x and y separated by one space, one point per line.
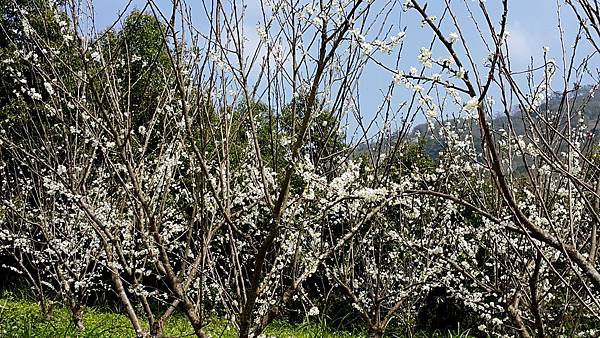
306 330
40 18
414 156
444 334
17 72
142 41
21 318
323 138
140 56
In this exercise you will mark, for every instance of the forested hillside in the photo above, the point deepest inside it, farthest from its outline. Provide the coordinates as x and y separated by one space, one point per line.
584 107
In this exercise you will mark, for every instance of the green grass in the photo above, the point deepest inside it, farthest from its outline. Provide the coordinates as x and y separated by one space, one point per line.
22 318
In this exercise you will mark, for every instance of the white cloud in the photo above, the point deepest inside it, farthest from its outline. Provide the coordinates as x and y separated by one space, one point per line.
521 43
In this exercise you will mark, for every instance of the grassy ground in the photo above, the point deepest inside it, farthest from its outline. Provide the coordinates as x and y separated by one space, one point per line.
21 318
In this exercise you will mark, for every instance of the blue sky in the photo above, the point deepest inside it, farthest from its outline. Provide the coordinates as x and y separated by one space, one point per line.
532 25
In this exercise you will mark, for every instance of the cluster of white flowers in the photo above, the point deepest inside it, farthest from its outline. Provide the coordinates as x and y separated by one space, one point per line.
190 194
425 57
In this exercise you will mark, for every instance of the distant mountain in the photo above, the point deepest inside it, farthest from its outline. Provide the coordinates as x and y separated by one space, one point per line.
584 101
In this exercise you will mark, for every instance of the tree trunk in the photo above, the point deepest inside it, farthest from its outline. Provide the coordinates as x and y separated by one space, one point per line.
130 311
513 312
157 329
376 332
45 308
77 316
198 330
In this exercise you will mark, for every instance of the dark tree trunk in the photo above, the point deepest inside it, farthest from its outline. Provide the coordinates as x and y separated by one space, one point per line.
157 329
77 316
45 308
376 332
